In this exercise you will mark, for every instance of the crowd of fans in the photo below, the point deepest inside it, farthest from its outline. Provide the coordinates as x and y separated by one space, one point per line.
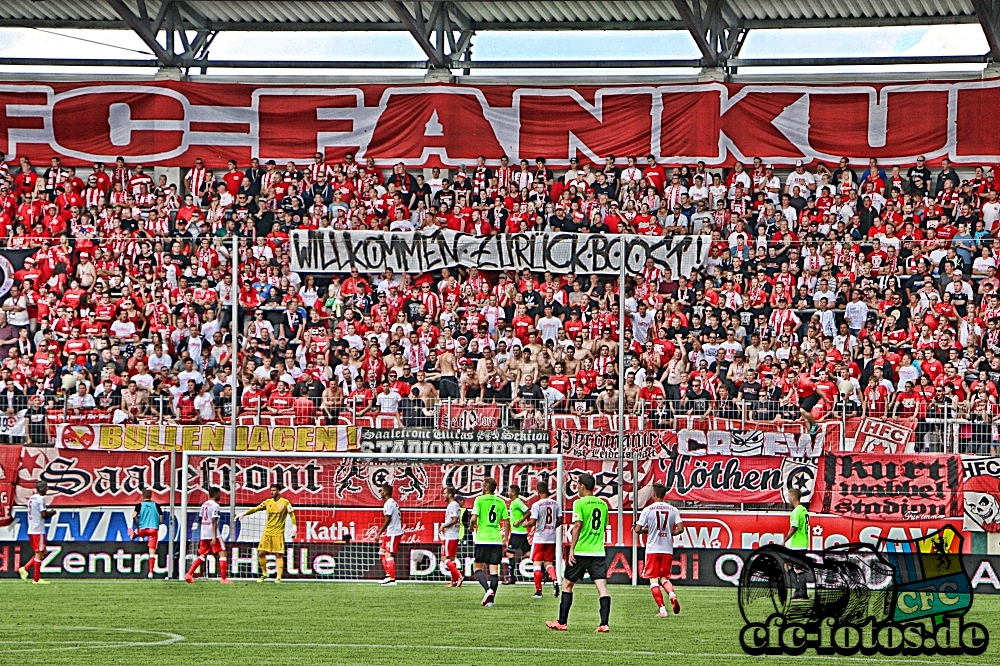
845 291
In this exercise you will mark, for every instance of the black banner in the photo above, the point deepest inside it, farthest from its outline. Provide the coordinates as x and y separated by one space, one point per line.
461 442
86 559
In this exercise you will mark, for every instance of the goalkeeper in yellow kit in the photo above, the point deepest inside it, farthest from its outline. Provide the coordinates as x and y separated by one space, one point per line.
272 541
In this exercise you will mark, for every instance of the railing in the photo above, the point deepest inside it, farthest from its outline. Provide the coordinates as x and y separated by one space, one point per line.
954 429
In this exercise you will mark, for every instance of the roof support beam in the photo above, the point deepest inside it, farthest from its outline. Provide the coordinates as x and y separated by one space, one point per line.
142 27
715 29
176 18
445 36
419 30
988 13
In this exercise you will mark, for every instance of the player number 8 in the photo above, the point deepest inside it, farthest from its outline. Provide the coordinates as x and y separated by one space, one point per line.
595 519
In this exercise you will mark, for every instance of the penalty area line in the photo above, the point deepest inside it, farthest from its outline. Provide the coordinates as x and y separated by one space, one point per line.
400 646
543 650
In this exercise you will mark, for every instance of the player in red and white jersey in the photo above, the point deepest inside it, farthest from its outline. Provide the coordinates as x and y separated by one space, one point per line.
389 534
211 538
451 534
545 517
37 513
660 522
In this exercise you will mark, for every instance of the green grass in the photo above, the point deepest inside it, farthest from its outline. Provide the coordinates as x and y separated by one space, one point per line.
79 623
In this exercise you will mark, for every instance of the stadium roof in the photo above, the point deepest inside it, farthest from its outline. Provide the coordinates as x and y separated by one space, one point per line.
180 32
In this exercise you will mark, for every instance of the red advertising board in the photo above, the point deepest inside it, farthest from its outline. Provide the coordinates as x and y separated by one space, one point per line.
883 486
172 123
749 530
721 530
10 462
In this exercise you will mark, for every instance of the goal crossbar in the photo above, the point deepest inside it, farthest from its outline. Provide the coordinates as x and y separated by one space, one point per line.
373 456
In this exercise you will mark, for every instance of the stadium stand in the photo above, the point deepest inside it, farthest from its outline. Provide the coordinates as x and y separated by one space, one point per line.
877 282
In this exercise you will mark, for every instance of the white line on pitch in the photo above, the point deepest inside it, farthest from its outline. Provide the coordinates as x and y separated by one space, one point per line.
169 639
455 648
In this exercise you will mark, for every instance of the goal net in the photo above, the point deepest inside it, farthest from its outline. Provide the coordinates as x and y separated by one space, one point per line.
338 510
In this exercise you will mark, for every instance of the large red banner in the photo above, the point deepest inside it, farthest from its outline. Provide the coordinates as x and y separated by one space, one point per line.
733 479
171 123
898 487
10 462
99 478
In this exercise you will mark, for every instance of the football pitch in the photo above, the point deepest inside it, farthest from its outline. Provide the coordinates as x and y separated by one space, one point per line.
157 622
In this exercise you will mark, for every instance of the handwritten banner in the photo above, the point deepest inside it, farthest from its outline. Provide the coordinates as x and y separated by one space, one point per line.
322 251
603 445
470 416
891 486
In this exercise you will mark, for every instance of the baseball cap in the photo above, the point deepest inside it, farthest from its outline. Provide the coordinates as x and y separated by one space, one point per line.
798 163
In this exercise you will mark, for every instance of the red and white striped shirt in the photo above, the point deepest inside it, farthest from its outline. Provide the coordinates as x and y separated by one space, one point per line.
159 226
316 169
121 175
504 177
672 195
653 275
431 302
196 179
92 196
269 180
781 317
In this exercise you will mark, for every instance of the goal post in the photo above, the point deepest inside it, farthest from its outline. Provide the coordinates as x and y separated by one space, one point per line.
338 509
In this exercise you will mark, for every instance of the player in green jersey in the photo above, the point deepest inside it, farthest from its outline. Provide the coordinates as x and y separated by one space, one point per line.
491 530
586 553
797 538
518 546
